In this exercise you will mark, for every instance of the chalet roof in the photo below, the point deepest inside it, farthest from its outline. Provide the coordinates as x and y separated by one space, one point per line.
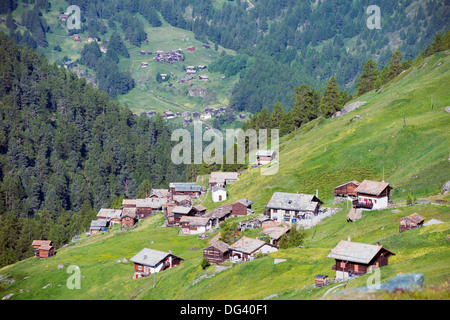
182 197
98 224
130 202
185 186
217 188
265 153
415 217
150 257
245 202
195 221
293 201
221 246
160 193
150 203
372 187
129 212
199 207
219 212
355 252
225 175
353 181
181 210
275 232
39 243
46 248
247 245
109 213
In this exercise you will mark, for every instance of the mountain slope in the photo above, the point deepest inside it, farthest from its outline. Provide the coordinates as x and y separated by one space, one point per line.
319 157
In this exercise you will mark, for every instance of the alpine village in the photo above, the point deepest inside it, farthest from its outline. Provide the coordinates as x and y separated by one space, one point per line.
348 197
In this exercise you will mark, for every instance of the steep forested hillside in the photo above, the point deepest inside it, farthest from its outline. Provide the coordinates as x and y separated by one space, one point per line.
293 42
66 149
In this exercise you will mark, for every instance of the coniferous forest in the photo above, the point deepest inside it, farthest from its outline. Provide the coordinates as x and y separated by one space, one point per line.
66 150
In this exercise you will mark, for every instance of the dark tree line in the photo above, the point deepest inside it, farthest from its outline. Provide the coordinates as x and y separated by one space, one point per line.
66 150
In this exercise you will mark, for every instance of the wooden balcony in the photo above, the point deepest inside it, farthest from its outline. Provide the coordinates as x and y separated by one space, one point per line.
362 205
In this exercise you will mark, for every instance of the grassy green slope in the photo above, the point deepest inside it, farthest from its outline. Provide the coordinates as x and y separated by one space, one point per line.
318 157
325 154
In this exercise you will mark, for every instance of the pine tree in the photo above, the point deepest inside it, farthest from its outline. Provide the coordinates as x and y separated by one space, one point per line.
368 80
395 66
277 115
331 101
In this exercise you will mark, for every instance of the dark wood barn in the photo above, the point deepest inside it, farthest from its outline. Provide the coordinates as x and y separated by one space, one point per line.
354 259
217 253
412 221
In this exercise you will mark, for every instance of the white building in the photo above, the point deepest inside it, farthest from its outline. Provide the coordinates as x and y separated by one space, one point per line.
372 195
218 194
290 207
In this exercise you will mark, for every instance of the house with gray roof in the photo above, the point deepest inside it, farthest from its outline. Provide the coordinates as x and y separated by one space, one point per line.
355 259
372 195
98 225
288 208
149 261
185 188
246 248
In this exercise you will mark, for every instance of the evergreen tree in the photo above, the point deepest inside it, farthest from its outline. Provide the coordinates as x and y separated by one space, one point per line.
277 115
331 101
368 80
395 66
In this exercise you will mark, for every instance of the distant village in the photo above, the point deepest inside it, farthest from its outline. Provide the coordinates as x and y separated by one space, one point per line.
181 207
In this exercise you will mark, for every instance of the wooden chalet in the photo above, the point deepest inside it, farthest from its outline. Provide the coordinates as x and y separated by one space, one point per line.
43 249
191 48
217 252
412 221
149 261
195 225
346 190
199 209
159 193
112 216
128 217
246 248
354 259
372 195
288 208
275 234
241 207
183 188
321 280
219 214
179 212
145 207
221 179
182 200
256 223
98 225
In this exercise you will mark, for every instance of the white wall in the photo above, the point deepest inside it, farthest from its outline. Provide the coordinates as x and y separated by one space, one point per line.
215 195
381 203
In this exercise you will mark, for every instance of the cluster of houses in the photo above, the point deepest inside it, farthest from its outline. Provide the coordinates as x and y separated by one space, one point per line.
167 56
351 259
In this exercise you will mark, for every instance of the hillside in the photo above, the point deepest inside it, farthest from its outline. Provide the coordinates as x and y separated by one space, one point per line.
320 156
147 94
